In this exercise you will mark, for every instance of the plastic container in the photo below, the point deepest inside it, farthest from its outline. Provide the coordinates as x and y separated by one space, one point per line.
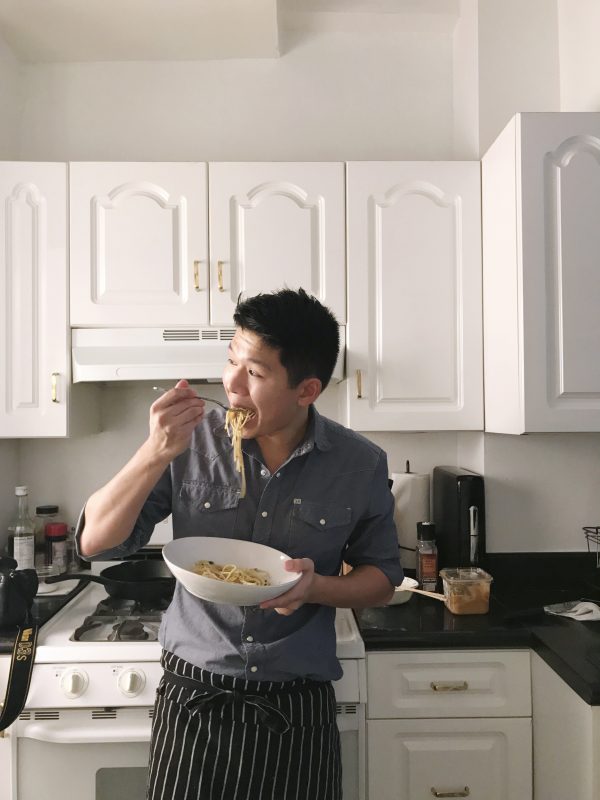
45 571
467 590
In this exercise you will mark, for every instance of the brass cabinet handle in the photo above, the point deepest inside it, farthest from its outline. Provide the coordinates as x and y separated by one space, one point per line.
220 275
197 275
54 384
359 383
458 793
449 686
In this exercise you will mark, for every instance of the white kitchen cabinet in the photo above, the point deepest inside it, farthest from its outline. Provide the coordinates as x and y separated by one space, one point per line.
276 225
449 724
541 238
175 244
414 357
34 336
566 739
139 246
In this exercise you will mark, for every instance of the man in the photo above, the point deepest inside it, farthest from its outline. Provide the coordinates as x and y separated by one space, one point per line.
246 708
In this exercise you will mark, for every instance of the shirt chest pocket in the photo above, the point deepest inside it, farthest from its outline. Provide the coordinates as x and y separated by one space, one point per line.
212 509
318 528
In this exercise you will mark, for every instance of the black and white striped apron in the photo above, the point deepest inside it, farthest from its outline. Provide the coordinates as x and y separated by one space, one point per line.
221 742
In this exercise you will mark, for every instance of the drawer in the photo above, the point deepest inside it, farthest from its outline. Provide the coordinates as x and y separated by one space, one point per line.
448 683
475 758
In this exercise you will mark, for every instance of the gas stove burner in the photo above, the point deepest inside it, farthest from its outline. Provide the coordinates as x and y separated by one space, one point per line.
117 629
112 606
129 630
115 606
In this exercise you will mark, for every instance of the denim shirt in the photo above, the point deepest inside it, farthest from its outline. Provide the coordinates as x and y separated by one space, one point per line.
329 501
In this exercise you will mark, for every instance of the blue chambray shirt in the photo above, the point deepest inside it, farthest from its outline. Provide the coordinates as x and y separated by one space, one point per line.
329 501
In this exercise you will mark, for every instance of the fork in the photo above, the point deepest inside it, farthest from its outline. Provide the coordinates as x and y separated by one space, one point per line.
208 399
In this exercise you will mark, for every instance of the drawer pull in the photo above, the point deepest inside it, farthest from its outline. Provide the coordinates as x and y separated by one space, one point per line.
458 793
449 686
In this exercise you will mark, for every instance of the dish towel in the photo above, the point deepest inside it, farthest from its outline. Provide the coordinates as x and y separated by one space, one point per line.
582 610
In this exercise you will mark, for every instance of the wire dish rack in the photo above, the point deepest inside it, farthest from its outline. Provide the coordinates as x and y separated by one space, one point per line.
592 537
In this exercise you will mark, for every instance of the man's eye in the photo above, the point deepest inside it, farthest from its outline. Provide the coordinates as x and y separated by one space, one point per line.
254 373
231 361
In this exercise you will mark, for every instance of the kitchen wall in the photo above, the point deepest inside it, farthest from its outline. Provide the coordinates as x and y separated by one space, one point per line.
374 95
9 102
332 96
519 64
579 54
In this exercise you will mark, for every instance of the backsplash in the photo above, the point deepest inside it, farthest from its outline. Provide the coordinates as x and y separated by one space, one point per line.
540 489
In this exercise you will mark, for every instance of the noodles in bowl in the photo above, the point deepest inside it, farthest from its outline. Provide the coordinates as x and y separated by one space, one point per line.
216 582
231 573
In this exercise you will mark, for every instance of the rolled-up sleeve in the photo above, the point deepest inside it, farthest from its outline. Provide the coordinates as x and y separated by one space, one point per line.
156 508
374 539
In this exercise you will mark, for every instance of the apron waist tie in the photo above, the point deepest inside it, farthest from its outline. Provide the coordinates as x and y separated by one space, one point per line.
267 712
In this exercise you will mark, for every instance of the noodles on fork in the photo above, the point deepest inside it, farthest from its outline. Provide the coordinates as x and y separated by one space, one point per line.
235 419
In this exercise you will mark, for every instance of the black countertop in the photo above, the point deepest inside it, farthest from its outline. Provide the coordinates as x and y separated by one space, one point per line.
522 586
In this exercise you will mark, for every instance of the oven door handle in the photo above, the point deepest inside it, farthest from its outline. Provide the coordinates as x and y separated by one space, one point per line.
96 732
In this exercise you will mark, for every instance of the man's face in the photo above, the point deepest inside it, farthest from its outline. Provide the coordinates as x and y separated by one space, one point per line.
255 378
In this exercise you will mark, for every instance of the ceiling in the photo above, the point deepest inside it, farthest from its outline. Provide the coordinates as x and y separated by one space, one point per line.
174 30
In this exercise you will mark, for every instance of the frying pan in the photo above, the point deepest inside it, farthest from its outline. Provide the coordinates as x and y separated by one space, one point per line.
145 580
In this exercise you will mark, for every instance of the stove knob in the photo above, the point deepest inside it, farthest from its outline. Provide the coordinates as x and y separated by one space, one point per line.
73 683
131 682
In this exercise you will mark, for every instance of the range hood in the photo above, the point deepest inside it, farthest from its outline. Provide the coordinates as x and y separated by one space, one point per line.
148 354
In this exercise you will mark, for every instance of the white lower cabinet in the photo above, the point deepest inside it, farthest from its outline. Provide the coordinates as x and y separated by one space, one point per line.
566 739
449 724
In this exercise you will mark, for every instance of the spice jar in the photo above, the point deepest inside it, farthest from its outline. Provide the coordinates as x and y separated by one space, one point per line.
56 545
43 515
427 556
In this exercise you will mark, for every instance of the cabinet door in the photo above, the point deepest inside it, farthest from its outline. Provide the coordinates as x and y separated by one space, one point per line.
276 225
541 192
567 726
476 758
139 254
414 358
34 368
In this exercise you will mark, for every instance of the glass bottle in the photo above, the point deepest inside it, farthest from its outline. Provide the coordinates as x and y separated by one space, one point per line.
427 556
24 541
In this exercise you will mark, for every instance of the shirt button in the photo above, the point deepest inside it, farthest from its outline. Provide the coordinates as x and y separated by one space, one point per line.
322 522
263 472
207 505
264 514
249 638
253 669
279 474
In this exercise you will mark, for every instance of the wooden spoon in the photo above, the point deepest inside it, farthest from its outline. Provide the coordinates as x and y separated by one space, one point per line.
435 595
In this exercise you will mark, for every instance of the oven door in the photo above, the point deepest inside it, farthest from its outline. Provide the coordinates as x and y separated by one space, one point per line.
85 754
102 754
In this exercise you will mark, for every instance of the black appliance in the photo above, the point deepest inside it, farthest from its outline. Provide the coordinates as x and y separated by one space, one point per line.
459 516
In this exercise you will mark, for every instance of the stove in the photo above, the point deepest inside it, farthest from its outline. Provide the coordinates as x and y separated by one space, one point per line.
100 650
89 710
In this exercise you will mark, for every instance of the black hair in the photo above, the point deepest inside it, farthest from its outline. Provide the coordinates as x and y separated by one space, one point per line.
303 330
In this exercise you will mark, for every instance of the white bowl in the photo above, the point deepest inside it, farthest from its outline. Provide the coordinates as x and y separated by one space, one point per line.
180 556
401 596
